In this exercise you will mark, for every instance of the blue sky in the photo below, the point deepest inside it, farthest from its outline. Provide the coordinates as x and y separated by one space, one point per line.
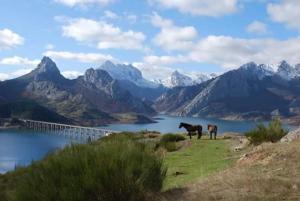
157 36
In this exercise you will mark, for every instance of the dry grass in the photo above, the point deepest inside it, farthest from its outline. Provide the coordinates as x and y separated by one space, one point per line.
269 172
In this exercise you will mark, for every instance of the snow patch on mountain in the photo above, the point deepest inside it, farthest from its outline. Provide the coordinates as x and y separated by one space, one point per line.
179 79
127 72
288 72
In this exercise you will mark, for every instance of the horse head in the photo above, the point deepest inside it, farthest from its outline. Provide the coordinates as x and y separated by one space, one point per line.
181 125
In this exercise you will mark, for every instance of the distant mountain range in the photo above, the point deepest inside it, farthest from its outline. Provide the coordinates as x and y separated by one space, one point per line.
178 79
91 99
116 92
250 92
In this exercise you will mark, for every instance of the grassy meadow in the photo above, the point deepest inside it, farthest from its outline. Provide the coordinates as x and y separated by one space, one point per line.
197 159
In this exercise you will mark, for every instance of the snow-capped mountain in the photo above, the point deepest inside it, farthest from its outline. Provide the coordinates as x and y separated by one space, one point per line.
178 79
288 72
260 70
283 69
199 78
128 73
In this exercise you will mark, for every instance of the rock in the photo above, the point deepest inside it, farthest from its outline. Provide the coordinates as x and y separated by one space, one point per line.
291 136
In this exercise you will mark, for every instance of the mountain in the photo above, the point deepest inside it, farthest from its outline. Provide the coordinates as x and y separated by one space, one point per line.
91 99
128 73
30 110
178 79
288 72
132 80
252 91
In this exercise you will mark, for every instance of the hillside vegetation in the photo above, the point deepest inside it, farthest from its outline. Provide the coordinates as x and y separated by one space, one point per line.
150 166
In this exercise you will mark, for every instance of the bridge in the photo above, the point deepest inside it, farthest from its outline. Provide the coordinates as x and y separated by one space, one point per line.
88 133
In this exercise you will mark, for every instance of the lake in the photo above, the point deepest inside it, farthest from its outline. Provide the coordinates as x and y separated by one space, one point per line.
19 148
169 124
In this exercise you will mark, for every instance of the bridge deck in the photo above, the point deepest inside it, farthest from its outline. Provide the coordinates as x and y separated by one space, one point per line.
88 132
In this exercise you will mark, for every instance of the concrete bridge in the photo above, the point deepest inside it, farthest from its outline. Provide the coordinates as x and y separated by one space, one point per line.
88 133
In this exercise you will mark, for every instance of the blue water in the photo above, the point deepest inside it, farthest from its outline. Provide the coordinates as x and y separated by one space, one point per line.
168 124
20 148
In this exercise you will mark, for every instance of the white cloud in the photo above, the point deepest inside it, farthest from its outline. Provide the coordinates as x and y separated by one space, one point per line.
286 11
4 76
71 74
232 52
14 74
81 57
200 7
102 34
9 39
172 37
164 60
227 52
49 46
72 3
20 72
16 60
110 15
131 18
153 71
257 27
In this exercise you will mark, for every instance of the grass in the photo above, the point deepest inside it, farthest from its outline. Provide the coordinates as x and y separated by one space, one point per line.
200 159
269 172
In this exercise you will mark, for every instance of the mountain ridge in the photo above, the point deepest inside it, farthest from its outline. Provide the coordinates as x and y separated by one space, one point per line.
90 99
250 92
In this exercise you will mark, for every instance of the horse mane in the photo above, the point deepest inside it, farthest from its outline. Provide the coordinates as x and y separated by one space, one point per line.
185 124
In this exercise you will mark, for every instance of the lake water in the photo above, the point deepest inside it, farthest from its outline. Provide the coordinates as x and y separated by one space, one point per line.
19 148
168 124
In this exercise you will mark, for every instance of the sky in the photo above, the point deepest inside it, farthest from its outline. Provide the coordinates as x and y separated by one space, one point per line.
156 36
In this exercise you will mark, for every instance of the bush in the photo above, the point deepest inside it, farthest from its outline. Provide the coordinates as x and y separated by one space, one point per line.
168 141
117 168
170 146
172 138
272 133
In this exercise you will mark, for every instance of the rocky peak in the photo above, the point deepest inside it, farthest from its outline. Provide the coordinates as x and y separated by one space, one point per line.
47 66
46 70
178 79
97 77
259 71
297 68
128 73
249 66
286 71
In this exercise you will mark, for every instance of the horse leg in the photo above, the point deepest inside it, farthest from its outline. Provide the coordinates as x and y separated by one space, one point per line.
215 135
190 134
210 135
199 134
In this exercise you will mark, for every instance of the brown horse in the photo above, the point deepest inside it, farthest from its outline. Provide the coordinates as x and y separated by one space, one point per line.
192 128
212 129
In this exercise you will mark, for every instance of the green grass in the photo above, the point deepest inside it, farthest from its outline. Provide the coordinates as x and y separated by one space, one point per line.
200 159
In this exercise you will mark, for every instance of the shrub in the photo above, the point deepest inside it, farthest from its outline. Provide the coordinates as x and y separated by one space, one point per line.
272 133
172 138
168 141
117 168
170 146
